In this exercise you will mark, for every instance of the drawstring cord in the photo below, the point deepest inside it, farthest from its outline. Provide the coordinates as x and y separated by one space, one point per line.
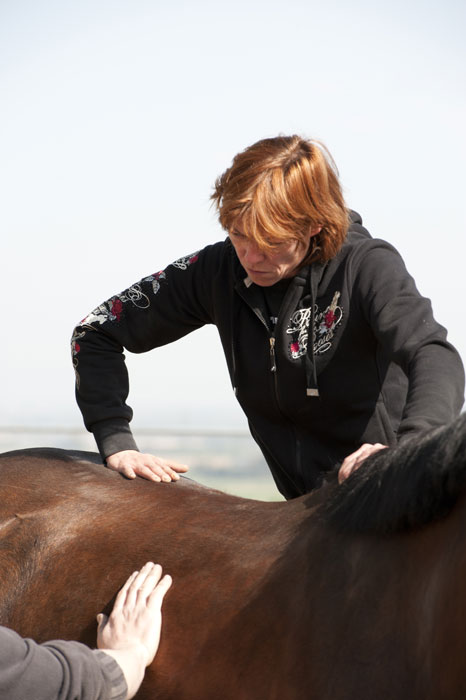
312 388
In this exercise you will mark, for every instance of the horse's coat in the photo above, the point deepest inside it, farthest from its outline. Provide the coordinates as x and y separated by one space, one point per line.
316 598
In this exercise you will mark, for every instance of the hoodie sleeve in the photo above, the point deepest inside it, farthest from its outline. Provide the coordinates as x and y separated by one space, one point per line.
56 671
157 310
403 323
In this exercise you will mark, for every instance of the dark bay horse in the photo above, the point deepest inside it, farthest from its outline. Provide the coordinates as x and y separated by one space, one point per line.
356 592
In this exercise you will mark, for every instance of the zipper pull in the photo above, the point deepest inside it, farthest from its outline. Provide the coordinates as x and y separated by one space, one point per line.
273 366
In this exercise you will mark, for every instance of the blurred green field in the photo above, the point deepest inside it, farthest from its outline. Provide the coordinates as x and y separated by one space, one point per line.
229 461
259 488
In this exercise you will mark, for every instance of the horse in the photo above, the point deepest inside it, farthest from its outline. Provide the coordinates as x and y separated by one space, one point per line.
353 591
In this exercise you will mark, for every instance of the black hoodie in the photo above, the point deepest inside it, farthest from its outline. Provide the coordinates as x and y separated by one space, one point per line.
379 368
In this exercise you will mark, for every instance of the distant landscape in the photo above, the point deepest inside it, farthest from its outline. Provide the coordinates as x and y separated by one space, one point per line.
229 461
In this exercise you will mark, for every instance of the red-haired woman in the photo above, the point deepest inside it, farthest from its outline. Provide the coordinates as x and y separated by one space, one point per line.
332 352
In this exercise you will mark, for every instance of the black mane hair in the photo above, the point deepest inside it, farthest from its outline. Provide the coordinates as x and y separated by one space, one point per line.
401 488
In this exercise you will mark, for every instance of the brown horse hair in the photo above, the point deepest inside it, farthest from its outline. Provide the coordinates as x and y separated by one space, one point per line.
400 488
270 600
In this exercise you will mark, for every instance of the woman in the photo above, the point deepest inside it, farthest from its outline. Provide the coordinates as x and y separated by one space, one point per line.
332 352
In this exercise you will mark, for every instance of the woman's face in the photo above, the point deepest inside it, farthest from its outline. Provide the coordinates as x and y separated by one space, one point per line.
265 268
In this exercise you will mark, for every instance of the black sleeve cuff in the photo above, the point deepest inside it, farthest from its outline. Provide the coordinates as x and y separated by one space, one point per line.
113 436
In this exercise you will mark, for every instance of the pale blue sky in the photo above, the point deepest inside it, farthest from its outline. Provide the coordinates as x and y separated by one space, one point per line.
116 117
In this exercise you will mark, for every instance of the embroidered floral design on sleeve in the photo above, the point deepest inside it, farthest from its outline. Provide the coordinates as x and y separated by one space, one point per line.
112 310
117 308
75 349
184 263
156 279
325 323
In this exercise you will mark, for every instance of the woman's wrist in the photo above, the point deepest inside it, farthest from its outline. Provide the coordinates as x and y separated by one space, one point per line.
133 662
112 436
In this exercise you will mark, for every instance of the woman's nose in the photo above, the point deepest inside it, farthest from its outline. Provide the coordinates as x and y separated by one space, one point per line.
253 253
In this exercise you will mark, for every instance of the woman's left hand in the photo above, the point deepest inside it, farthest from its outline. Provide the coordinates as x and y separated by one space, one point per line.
355 459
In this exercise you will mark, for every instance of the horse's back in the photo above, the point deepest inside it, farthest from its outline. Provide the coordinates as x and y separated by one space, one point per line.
269 600
71 531
44 475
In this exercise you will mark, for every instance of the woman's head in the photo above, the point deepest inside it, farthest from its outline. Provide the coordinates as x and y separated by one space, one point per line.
284 189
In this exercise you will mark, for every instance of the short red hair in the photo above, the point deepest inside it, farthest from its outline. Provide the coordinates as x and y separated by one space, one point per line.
281 188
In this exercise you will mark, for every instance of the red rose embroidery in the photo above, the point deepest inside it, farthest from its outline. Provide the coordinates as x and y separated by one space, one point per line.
77 348
193 259
294 347
329 319
117 308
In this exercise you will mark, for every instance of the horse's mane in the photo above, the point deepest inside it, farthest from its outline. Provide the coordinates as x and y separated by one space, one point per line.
401 488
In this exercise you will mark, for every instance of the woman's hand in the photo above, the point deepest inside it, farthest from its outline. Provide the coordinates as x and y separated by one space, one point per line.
355 459
131 634
132 463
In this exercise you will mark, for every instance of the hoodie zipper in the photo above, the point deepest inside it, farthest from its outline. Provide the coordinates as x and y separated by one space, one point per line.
273 370
273 365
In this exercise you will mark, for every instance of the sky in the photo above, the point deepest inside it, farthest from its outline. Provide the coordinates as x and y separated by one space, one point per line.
115 119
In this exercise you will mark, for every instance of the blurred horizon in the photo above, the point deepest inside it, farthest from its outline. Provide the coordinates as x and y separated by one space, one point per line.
226 460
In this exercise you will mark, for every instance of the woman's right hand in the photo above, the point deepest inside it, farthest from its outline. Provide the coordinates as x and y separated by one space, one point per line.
132 463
